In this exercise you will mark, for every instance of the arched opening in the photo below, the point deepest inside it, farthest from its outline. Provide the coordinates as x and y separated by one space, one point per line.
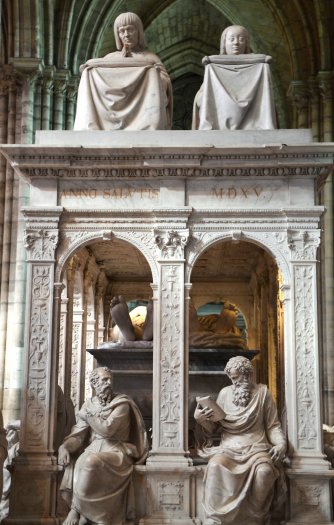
93 276
235 297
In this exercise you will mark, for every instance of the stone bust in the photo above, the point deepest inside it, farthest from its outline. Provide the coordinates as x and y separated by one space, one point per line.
127 89
243 470
236 92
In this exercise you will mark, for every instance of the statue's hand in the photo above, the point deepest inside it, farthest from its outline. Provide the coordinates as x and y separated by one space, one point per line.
277 453
205 61
64 456
203 414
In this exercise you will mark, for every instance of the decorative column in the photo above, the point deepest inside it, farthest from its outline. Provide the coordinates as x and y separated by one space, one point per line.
309 474
32 498
170 478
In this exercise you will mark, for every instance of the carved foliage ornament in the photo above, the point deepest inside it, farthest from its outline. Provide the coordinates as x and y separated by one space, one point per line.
303 244
41 244
171 243
305 355
170 364
38 351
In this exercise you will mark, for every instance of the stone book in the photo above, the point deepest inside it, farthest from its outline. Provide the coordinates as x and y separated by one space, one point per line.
209 402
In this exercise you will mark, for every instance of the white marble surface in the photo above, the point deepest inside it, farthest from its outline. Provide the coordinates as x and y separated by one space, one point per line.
175 138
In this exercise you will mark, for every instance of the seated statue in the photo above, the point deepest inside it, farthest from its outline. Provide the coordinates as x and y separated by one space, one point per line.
215 330
236 92
128 89
243 470
108 438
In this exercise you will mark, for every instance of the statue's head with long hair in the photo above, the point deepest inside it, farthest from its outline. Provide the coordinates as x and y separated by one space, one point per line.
129 22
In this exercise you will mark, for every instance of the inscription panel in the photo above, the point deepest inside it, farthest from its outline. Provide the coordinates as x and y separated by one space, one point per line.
120 194
251 193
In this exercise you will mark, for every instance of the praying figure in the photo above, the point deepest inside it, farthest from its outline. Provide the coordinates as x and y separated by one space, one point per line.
108 438
245 468
236 92
127 89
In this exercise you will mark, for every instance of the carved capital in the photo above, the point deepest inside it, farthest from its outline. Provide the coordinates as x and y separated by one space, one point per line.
303 244
41 244
171 243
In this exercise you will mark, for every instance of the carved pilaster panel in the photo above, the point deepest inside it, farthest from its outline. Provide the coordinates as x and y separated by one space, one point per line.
40 326
171 343
305 348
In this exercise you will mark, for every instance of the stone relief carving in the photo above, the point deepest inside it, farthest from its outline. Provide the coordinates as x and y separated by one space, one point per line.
41 244
171 495
170 363
38 347
171 243
305 354
303 244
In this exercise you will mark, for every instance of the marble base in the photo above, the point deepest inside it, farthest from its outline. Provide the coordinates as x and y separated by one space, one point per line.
310 496
170 496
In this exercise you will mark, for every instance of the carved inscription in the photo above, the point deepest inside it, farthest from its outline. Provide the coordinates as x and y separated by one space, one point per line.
233 192
117 193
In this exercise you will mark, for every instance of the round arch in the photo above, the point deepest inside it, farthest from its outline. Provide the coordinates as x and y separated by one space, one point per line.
266 241
69 250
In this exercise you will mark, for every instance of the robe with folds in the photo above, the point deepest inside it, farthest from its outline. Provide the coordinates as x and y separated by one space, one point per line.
236 94
118 92
112 438
248 433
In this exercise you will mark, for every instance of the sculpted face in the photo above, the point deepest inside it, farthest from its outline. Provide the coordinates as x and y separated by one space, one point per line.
128 35
238 378
236 40
104 383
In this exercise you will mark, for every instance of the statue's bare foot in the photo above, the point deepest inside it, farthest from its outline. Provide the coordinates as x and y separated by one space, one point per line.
73 518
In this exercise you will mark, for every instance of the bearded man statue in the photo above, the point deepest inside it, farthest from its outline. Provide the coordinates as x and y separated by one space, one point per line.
108 438
242 471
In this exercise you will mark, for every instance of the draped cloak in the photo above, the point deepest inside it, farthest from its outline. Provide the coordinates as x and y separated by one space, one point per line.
112 438
119 92
248 433
236 94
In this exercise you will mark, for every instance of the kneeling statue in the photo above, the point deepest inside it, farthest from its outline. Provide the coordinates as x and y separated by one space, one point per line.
242 471
108 438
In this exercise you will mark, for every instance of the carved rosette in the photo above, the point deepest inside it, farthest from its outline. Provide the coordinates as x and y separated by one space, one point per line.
38 353
41 244
305 345
170 361
171 244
